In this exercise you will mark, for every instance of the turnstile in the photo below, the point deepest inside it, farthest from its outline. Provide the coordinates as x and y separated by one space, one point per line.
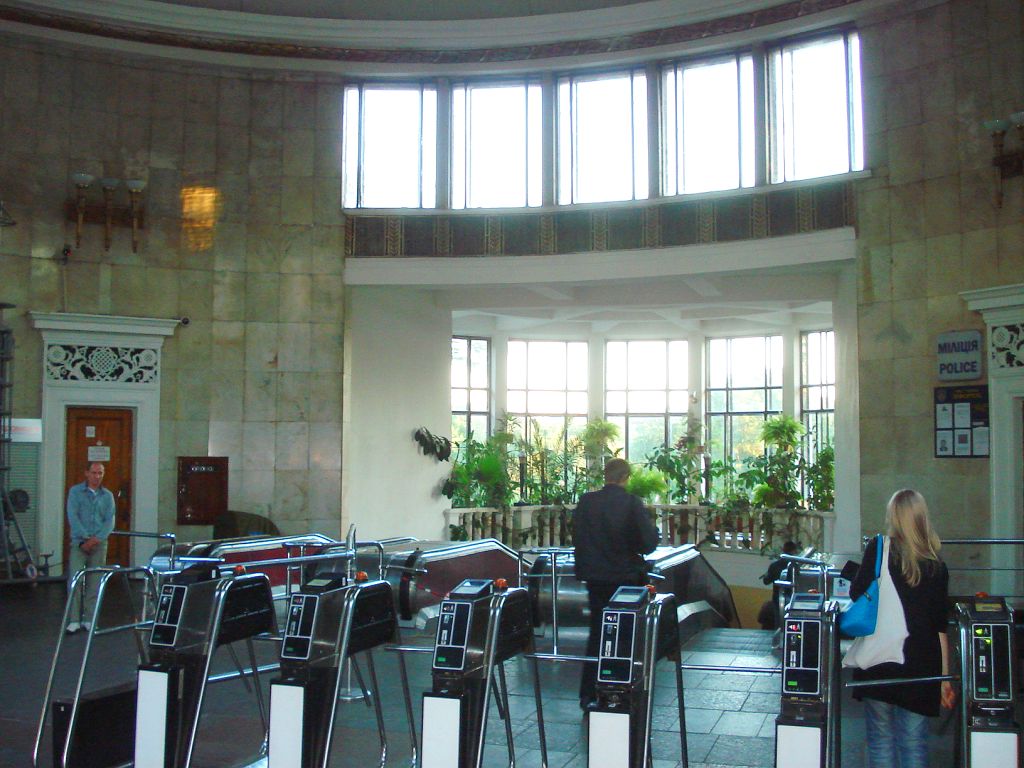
638 628
989 732
481 625
328 622
807 733
197 612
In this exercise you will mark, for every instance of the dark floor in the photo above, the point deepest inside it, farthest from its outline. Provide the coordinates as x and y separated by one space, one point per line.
729 716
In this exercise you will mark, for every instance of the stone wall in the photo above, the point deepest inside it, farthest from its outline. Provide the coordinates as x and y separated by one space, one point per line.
256 375
928 229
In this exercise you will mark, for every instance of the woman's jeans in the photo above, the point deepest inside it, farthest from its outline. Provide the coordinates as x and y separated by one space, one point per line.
893 731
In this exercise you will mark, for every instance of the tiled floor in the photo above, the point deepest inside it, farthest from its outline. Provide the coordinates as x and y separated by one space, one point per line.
730 717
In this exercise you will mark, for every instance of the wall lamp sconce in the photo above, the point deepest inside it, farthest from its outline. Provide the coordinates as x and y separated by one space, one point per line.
1008 164
109 213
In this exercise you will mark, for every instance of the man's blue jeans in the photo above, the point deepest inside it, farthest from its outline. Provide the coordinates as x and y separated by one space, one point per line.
896 737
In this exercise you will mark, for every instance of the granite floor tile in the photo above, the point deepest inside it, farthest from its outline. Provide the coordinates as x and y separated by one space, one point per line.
738 724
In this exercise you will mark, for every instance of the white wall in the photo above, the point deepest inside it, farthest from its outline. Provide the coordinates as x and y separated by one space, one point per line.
397 378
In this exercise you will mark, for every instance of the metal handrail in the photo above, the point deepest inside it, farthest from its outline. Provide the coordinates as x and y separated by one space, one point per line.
147 535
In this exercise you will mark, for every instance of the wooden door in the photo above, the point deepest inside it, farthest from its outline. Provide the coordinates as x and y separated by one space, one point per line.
105 435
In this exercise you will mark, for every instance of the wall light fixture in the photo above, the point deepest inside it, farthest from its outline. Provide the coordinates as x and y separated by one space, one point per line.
1008 163
109 213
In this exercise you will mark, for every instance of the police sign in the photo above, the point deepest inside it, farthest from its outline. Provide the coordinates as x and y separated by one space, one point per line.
958 354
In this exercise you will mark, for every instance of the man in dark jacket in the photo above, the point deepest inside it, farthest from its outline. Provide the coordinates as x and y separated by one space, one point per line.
613 531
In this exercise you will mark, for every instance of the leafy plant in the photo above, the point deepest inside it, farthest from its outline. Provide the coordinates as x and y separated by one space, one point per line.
820 478
648 484
479 476
682 464
774 477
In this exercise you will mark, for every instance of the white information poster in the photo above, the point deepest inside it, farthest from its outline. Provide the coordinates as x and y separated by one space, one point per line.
961 422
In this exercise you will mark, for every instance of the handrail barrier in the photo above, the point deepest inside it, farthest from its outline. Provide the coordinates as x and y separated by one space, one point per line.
144 620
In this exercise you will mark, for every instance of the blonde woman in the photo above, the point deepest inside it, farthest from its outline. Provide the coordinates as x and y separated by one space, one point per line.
896 716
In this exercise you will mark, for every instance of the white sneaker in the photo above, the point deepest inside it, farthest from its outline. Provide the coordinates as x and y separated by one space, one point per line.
86 626
73 627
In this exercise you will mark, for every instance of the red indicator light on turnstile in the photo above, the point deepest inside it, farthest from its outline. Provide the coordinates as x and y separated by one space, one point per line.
794 627
361 576
238 570
652 590
501 584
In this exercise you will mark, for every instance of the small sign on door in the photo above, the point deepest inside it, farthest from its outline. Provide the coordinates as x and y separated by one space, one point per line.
90 431
99 453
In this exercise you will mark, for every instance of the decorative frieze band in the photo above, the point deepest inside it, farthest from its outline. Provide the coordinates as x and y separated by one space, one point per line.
100 363
1008 346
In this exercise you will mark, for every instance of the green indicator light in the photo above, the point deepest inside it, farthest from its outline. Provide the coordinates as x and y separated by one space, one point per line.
979 631
791 683
982 690
442 659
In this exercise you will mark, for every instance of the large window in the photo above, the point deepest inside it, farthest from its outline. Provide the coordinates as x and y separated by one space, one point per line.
647 393
547 387
602 138
496 146
708 125
744 387
390 147
471 388
817 389
815 108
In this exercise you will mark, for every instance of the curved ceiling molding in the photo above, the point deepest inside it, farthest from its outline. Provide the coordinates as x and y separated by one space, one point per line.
607 32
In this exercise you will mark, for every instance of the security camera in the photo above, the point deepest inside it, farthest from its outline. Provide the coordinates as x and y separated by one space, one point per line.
65 252
185 320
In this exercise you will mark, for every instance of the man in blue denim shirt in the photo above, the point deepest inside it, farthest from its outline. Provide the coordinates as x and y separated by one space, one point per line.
91 517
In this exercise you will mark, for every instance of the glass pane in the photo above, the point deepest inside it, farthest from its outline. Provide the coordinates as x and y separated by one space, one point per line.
676 429
716 437
479 426
640 159
618 443
460 399
671 100
747 158
678 401
545 401
830 398
546 368
718 364
814 109
647 365
578 365
428 151
478 400
534 144
812 358
645 434
748 400
776 361
565 145
496 146
857 113
615 401
550 428
775 400
350 149
603 139
615 365
678 365
458 428
747 361
479 363
646 402
391 148
746 436
458 149
515 365
716 400
830 357
460 377
516 401
710 123
576 402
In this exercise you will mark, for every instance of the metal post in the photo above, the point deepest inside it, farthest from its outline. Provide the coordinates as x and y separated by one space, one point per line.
540 714
554 600
408 708
377 708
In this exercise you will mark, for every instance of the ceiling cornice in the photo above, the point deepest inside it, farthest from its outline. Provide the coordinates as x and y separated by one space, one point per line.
605 33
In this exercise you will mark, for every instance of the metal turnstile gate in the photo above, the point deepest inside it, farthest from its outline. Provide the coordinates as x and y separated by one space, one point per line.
989 733
329 621
481 625
807 732
197 612
638 628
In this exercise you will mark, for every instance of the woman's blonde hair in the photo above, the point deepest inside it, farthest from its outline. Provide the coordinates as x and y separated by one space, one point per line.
911 533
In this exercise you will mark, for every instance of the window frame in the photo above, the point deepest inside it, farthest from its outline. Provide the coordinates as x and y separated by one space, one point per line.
469 412
812 440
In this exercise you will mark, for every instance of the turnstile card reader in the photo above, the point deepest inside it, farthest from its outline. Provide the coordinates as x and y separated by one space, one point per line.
990 732
638 628
479 628
328 622
807 728
194 617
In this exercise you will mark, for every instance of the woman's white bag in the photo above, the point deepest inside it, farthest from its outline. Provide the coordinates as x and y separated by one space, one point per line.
886 644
